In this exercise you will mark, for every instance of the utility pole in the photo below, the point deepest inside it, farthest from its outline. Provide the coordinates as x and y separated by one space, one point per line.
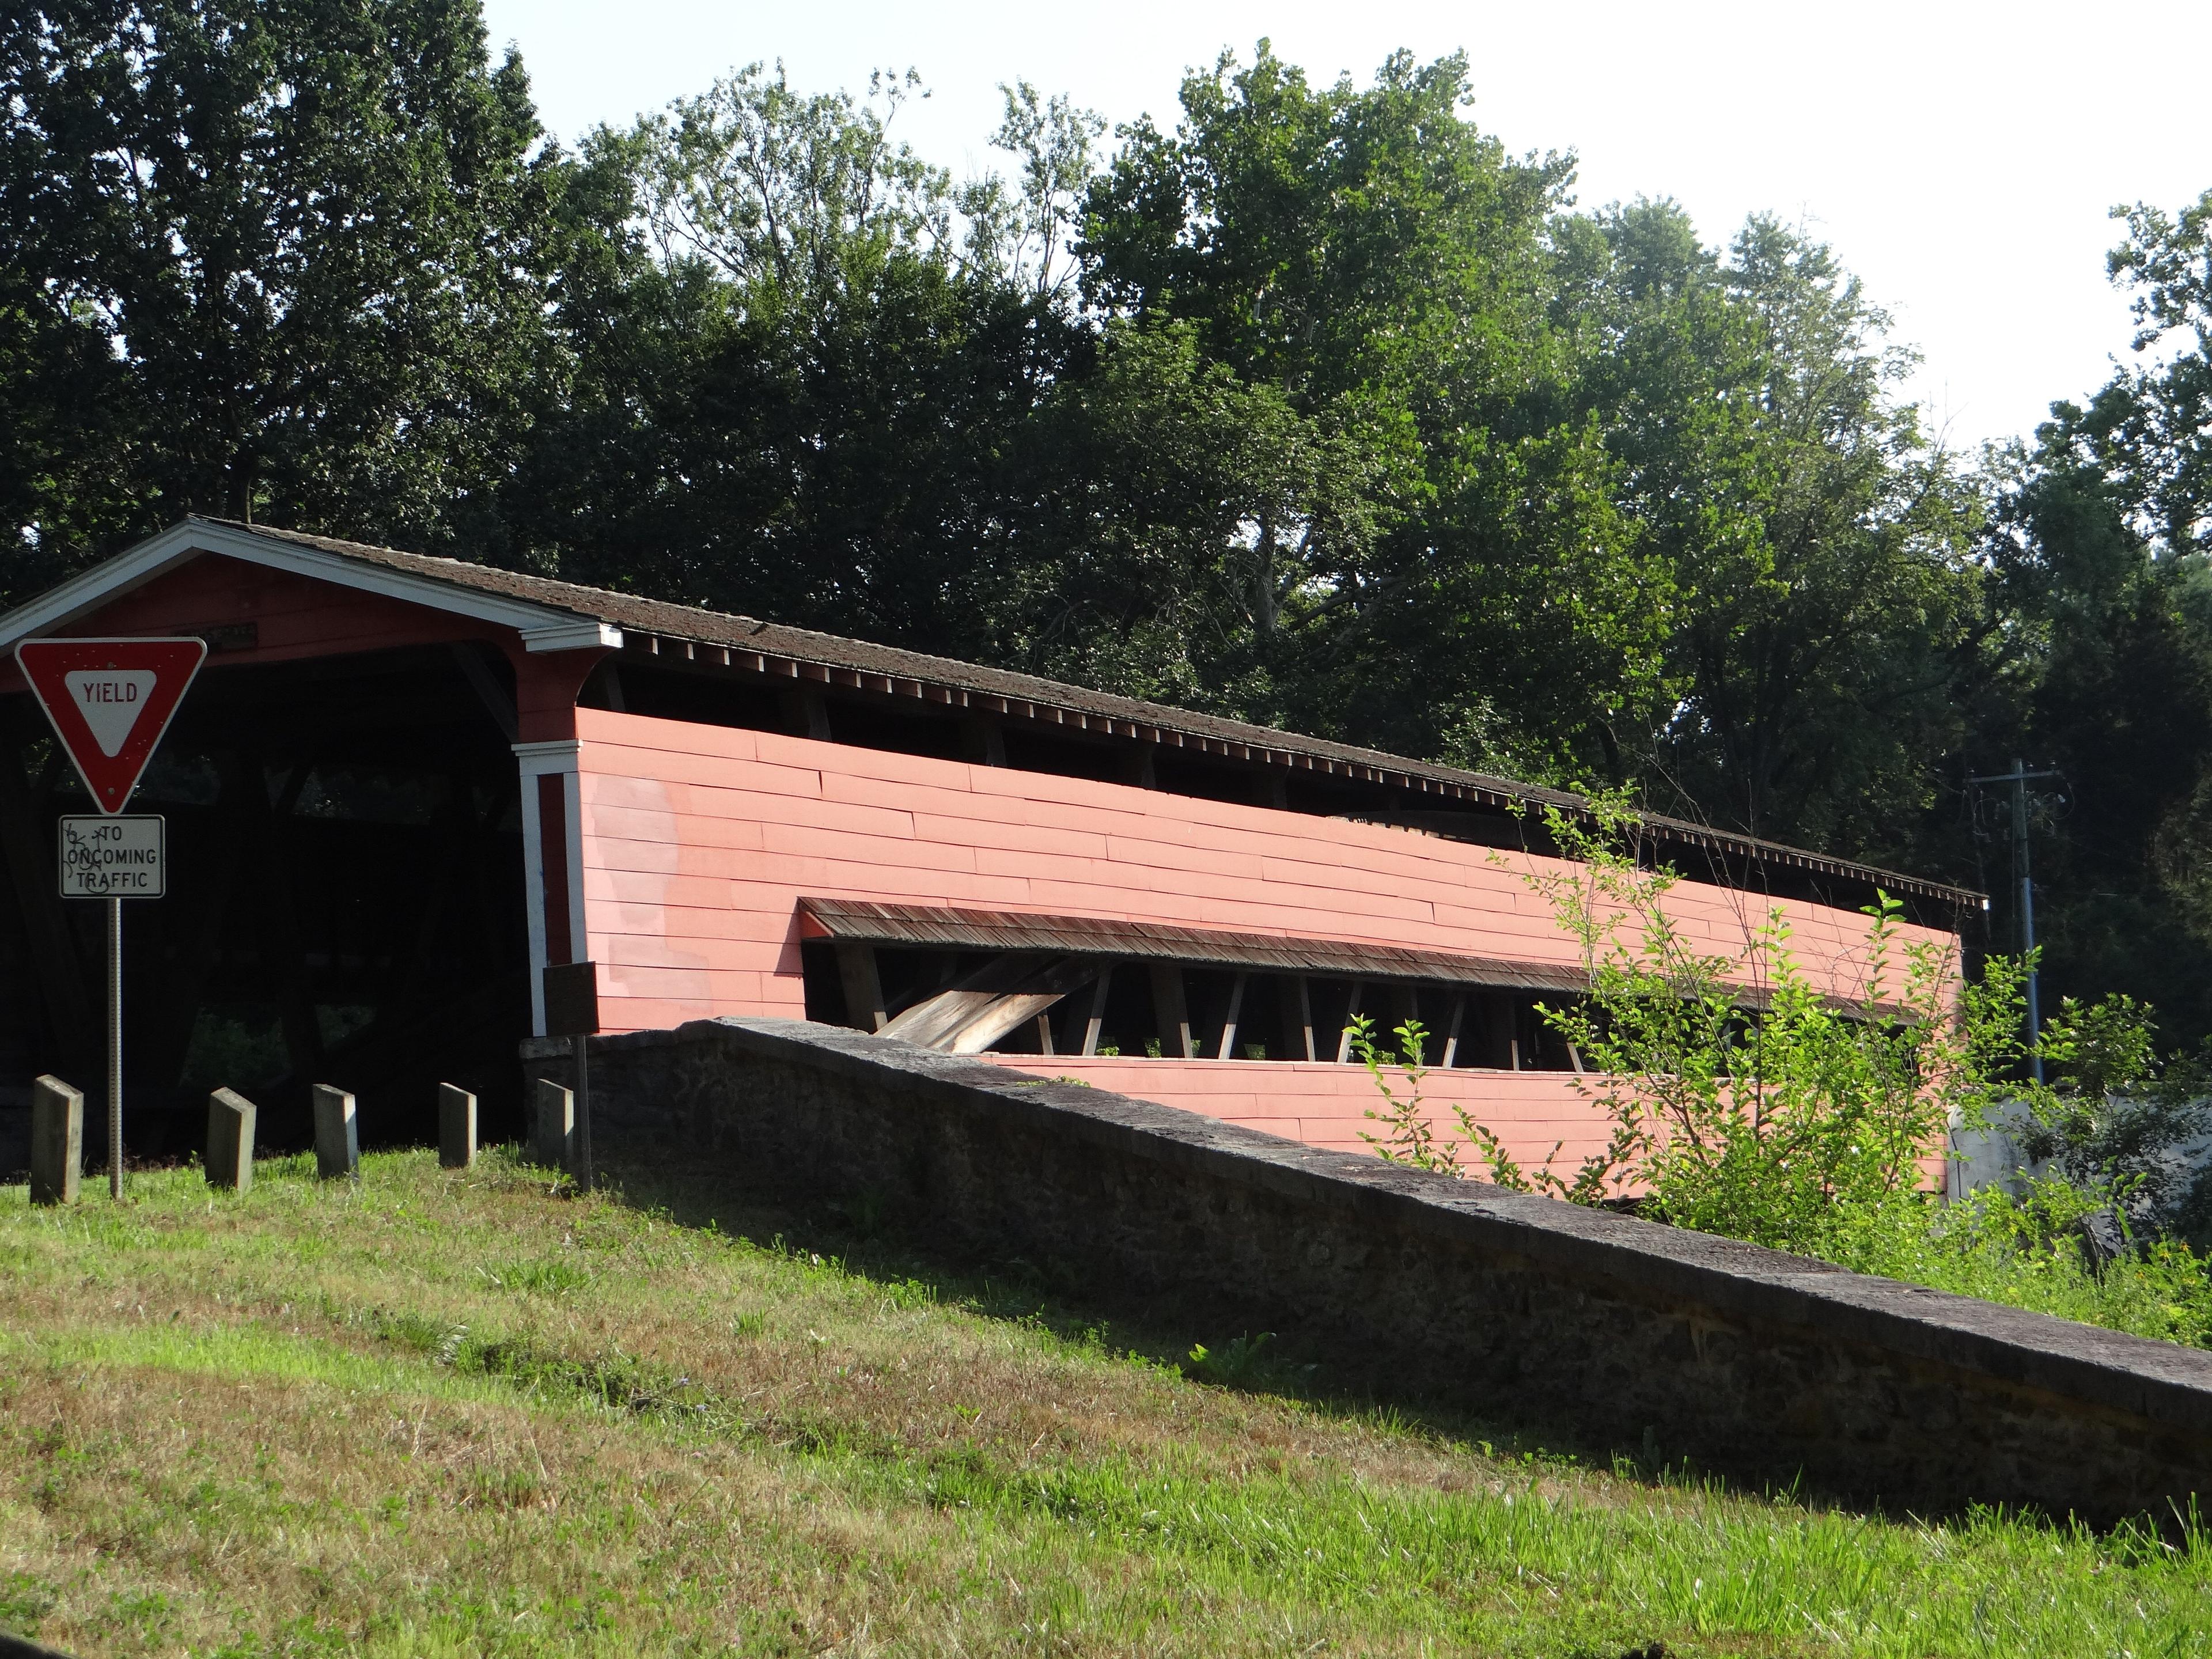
2018 778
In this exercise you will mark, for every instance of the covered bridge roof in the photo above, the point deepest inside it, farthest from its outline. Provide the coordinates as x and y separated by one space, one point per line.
552 615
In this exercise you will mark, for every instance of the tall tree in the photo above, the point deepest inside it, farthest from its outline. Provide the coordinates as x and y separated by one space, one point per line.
805 359
2103 666
1818 549
1372 265
263 258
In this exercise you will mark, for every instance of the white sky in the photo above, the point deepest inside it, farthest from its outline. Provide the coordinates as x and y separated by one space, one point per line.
1961 157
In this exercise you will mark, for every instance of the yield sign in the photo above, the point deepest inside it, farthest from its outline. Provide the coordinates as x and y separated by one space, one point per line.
110 701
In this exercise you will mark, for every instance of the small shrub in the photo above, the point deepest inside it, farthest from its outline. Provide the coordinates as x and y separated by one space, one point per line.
1408 1136
1246 1363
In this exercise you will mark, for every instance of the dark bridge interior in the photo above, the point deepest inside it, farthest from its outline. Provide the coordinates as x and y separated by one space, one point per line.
344 906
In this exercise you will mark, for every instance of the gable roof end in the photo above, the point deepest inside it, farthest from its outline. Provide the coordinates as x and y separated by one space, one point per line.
542 627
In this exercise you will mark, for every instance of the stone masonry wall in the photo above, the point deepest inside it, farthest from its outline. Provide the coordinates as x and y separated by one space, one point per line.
1524 1309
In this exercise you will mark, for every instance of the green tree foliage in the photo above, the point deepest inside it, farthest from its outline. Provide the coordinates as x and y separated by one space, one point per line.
1597 501
2096 658
275 259
1816 550
1371 267
805 362
1313 405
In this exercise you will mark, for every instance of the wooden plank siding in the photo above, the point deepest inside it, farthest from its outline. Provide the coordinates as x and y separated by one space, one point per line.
293 618
1325 1105
687 848
699 842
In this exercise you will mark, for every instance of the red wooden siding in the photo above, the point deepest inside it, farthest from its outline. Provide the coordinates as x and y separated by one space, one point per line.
1538 1115
293 616
698 843
298 616
1326 1105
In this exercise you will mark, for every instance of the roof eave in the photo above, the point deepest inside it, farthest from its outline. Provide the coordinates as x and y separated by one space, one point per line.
541 628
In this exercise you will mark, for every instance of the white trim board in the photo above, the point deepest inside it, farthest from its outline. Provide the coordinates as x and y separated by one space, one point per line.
553 758
543 628
533 900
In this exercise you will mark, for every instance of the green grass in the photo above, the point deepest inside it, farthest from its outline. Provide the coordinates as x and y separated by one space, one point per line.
443 1414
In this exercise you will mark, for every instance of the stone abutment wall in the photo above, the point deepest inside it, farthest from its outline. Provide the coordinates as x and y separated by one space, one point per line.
1522 1309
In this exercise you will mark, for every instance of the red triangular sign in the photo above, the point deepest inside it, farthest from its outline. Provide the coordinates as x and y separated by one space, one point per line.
110 701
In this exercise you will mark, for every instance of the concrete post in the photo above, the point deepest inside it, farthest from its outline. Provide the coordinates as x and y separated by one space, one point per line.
56 1141
338 1134
230 1140
553 1145
457 1128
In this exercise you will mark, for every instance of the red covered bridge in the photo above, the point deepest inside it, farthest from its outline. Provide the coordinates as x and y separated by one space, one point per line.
403 786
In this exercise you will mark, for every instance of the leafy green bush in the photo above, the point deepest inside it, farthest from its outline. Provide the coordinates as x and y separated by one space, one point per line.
1746 1100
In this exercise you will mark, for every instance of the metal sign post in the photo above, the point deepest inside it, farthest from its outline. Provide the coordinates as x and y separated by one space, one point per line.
109 702
115 1049
113 859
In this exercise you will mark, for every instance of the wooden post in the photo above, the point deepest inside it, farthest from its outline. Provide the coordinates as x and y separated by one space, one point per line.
230 1140
338 1134
864 986
1493 1016
1171 1011
572 1010
1096 1021
1405 1005
1350 1013
457 1128
1228 1049
983 741
1451 1033
1297 1017
806 714
57 1136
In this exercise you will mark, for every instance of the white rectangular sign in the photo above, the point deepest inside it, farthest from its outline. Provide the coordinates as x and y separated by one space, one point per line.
113 858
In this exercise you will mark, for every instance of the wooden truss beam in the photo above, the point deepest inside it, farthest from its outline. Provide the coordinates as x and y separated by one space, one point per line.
970 1015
